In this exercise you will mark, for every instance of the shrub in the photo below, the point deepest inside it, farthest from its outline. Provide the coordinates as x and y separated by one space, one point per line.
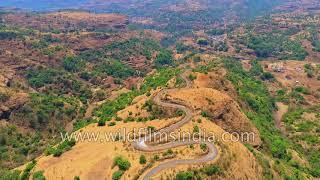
142 159
156 157
117 175
186 175
302 90
61 148
76 178
180 112
38 176
203 146
168 152
202 42
211 170
181 48
3 97
196 129
122 163
204 114
112 124
192 77
266 76
81 123
101 122
26 172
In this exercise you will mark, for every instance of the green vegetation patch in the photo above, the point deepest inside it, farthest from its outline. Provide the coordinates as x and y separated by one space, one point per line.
108 110
305 134
16 148
61 148
38 176
275 44
261 106
26 172
10 33
132 47
42 110
58 82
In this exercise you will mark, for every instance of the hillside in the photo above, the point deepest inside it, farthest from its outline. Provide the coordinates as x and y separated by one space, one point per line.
173 89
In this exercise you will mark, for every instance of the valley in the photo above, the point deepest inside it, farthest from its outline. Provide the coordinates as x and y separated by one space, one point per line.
174 89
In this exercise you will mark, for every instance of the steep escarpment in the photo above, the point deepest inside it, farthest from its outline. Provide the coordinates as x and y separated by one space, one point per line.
219 108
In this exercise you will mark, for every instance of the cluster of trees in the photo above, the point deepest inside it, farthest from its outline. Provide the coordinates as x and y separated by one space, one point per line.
42 110
257 71
216 32
132 48
275 45
164 58
108 61
314 38
22 175
209 170
73 64
202 41
261 106
58 82
108 110
181 48
16 147
123 165
41 76
115 69
306 133
4 35
44 42
311 70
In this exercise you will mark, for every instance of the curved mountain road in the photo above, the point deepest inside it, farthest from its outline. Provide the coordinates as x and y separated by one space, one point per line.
142 145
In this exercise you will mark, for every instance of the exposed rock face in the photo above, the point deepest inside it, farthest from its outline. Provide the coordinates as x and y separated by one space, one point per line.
221 109
5 78
13 103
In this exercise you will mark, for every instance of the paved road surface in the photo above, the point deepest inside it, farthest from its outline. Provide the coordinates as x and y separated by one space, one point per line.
143 146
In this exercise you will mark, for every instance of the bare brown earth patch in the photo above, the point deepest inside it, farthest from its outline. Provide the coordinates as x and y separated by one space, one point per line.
293 74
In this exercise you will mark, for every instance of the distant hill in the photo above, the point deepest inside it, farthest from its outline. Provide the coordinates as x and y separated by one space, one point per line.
144 7
42 5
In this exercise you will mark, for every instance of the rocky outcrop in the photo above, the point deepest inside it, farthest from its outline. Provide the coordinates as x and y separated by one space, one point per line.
14 102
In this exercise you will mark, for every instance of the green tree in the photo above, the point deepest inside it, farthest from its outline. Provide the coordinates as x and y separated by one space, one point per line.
72 64
164 58
142 159
122 163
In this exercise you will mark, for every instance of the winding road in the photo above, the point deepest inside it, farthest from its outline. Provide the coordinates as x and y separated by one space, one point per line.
142 143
